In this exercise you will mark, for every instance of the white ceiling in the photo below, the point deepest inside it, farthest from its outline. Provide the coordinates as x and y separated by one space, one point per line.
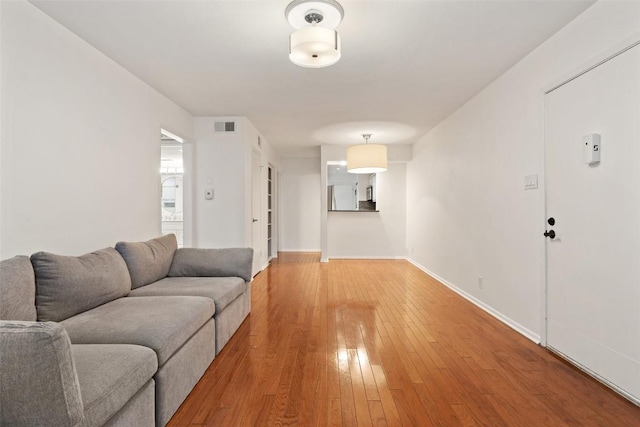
405 66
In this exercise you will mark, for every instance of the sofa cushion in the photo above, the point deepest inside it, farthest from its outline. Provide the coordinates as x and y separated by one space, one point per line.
68 285
139 411
222 290
38 383
17 289
109 376
148 261
163 324
196 262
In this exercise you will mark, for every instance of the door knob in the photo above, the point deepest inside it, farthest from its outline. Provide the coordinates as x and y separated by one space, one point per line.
254 220
550 234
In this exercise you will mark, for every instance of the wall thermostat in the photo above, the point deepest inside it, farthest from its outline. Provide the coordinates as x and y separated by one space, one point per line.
592 146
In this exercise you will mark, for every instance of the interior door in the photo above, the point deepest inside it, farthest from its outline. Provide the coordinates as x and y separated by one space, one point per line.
256 212
593 262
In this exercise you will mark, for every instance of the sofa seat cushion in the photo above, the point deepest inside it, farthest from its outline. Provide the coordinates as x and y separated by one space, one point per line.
163 324
109 376
222 290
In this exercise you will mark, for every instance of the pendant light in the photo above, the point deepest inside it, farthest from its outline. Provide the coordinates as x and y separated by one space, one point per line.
367 158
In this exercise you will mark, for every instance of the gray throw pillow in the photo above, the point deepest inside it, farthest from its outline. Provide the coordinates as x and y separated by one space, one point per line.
67 285
148 261
196 262
17 289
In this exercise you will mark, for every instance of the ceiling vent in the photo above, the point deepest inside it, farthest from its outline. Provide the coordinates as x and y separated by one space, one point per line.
224 127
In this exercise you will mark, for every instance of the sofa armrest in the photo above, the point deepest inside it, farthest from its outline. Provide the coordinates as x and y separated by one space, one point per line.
196 262
38 381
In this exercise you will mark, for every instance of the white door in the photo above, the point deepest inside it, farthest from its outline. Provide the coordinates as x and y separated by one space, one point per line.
593 263
256 217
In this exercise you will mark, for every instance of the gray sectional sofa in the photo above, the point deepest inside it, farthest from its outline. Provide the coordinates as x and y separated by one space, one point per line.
117 337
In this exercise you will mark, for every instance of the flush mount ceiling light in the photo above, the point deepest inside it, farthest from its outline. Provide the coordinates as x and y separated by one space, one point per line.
367 158
316 43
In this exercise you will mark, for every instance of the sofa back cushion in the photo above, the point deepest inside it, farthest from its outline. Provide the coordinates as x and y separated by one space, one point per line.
67 285
17 289
197 262
38 381
148 261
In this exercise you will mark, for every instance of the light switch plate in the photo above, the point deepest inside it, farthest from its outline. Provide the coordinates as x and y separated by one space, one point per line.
531 182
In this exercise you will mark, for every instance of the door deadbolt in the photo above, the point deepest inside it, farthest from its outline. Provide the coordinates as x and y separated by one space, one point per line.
551 221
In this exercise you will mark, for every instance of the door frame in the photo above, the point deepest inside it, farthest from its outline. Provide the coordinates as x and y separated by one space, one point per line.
257 252
614 51
275 194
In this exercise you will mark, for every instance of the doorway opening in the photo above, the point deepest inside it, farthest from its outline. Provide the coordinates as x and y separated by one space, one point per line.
172 184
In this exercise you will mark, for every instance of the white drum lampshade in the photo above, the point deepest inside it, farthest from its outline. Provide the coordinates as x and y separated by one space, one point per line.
314 47
367 158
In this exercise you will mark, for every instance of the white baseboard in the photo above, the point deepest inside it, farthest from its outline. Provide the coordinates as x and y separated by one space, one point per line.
299 250
367 257
501 317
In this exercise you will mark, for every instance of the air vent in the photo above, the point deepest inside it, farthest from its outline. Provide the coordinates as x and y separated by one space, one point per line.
224 127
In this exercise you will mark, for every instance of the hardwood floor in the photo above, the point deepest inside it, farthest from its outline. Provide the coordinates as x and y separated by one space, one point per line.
377 342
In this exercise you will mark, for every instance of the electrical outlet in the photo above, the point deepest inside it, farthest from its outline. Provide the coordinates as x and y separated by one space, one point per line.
481 282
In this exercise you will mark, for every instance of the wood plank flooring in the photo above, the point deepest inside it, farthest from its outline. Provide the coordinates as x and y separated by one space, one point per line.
380 343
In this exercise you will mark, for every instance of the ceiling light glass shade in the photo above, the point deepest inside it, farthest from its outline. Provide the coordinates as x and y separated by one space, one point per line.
367 158
314 47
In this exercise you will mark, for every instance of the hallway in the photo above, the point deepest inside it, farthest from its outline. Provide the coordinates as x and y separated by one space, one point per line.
378 342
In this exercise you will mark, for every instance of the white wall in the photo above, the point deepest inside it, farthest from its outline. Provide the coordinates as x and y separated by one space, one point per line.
80 140
1 132
373 234
223 162
468 214
300 204
220 164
